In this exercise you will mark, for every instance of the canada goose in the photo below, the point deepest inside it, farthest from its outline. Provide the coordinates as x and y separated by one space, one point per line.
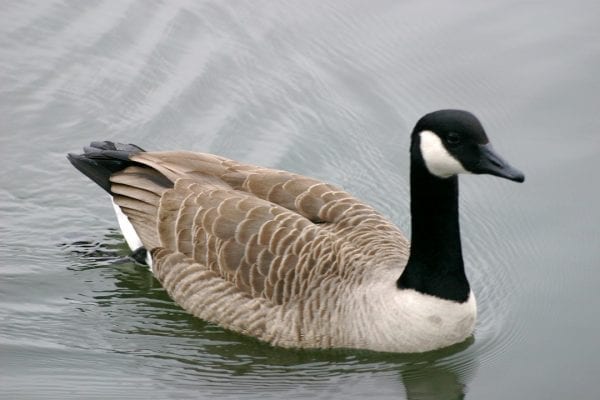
296 262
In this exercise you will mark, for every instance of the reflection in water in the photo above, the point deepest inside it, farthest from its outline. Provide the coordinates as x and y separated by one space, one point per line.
141 320
432 382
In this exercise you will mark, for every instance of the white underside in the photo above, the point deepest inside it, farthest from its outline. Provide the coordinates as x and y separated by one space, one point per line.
131 237
438 160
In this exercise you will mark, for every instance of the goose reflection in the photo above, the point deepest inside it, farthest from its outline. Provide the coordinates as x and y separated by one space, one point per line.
142 313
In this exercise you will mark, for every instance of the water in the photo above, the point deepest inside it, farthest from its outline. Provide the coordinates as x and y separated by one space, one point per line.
327 89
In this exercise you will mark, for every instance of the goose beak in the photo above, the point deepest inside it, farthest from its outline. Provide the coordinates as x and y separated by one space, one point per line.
491 163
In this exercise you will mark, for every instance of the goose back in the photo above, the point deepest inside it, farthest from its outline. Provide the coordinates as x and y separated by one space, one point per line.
260 251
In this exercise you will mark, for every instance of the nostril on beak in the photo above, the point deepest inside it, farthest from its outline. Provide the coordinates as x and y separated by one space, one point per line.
496 161
490 157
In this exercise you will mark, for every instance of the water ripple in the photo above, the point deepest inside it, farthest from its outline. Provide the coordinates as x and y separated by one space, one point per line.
329 90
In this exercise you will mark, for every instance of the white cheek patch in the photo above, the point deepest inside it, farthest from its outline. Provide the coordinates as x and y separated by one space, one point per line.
437 159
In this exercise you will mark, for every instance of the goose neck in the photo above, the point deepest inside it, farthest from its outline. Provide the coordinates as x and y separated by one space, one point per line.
435 264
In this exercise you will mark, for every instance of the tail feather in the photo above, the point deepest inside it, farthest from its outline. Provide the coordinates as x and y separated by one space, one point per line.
135 188
102 159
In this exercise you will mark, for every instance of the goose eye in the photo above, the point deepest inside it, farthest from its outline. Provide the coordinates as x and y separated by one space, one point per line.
453 138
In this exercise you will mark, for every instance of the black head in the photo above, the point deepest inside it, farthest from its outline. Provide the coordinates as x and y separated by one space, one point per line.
450 142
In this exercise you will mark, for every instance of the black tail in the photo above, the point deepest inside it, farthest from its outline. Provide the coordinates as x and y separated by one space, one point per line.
102 159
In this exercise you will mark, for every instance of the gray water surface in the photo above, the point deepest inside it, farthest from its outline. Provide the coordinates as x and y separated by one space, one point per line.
329 89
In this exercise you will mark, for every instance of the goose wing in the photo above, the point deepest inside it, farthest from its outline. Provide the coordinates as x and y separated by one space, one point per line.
333 209
230 241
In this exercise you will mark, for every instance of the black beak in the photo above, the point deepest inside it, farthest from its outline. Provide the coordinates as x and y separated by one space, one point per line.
491 163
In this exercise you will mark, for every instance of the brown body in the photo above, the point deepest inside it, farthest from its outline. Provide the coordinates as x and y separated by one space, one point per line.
238 244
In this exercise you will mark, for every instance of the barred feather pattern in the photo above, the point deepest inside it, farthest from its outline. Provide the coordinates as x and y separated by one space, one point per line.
267 253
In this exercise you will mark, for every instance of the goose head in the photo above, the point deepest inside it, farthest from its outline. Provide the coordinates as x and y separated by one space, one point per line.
451 142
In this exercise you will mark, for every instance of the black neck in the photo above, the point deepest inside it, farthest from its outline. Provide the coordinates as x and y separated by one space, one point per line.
435 265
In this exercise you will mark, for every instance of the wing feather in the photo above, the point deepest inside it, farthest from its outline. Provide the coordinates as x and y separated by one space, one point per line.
205 294
271 234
